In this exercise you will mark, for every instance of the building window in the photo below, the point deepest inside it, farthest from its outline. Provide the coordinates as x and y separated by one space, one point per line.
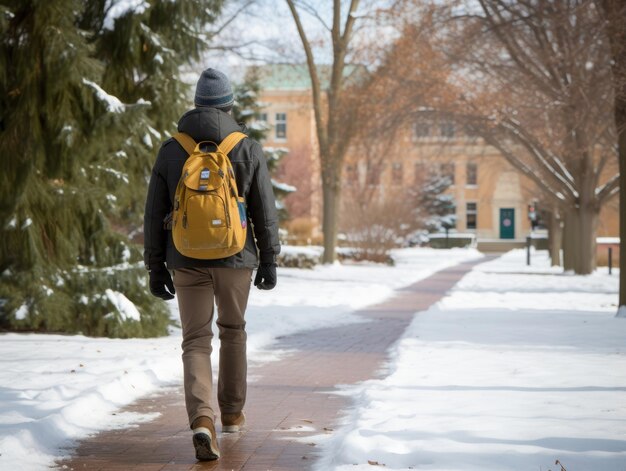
470 215
396 173
472 174
281 125
447 129
421 129
263 117
447 170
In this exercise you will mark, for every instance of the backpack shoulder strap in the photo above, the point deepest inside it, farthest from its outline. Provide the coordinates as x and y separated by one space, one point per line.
185 141
231 141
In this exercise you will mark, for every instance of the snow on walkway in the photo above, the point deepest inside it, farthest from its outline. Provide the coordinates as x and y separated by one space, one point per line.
55 389
517 368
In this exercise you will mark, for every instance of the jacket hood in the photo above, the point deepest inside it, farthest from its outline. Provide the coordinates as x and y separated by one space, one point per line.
208 124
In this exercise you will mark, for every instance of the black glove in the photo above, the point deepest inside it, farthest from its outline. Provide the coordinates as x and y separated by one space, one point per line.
265 276
160 279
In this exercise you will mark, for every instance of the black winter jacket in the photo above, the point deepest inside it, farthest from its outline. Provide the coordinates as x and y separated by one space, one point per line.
253 183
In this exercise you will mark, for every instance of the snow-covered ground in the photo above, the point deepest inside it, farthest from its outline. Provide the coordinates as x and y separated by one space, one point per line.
55 389
516 368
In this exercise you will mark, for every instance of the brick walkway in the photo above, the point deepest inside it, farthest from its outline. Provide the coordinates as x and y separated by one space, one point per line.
289 402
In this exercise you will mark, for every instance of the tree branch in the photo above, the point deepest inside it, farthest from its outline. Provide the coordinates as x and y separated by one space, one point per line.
523 168
315 81
608 190
232 18
524 62
313 12
347 30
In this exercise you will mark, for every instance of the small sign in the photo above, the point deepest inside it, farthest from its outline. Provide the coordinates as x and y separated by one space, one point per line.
216 222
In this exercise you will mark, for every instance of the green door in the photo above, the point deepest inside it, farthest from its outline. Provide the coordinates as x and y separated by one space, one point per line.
507 223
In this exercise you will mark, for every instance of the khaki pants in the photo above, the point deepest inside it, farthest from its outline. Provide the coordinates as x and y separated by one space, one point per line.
196 288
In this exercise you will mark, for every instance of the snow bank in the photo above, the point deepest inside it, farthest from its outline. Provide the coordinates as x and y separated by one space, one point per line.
516 368
55 389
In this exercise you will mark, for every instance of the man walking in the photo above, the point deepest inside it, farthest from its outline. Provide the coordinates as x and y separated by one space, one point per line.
198 282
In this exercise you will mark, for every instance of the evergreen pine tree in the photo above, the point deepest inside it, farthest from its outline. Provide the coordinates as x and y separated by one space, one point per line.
435 207
75 159
143 50
247 110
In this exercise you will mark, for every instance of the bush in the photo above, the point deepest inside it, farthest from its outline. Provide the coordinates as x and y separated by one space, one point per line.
299 257
438 241
99 302
356 254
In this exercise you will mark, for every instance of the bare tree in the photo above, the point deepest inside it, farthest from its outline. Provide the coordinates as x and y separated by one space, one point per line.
532 79
382 203
333 136
615 17
375 214
539 91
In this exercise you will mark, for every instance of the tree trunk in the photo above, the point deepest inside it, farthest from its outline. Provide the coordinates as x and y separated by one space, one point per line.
331 195
570 243
620 119
588 218
555 237
620 123
616 28
579 240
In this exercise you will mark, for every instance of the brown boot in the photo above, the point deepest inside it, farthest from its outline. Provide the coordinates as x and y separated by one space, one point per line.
205 439
233 422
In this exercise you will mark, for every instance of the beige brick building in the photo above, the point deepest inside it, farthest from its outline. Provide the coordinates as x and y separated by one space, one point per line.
492 199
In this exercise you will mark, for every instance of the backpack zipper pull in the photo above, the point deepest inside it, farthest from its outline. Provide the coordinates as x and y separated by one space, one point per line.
185 220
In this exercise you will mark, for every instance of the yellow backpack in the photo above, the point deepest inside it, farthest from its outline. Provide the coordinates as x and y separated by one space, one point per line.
209 218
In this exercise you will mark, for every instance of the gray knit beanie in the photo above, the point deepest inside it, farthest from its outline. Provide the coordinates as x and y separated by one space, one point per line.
213 89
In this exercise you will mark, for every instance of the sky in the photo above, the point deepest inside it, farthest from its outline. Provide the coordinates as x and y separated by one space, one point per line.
270 34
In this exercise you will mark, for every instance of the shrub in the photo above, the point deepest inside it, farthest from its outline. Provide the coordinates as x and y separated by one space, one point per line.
440 241
299 257
101 302
358 255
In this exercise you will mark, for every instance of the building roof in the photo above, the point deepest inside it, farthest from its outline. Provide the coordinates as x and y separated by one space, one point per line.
296 76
